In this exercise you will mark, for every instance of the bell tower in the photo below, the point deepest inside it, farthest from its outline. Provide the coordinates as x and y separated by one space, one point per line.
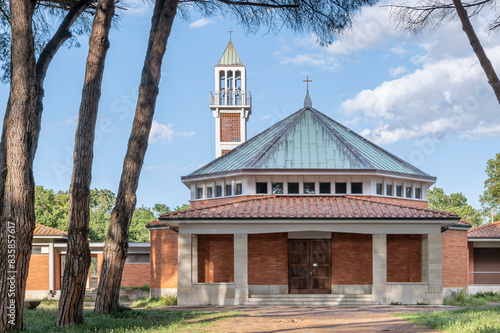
230 102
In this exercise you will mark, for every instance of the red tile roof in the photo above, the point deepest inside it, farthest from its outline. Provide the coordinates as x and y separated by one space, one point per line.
491 230
332 207
41 229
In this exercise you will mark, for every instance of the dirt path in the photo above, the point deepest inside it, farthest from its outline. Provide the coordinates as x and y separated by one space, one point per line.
341 319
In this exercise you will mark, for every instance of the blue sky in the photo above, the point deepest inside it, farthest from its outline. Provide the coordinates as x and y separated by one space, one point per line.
423 98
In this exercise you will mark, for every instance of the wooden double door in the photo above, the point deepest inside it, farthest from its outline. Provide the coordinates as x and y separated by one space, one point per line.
309 266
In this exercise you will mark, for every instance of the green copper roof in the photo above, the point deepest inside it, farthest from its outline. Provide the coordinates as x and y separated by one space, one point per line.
230 57
308 140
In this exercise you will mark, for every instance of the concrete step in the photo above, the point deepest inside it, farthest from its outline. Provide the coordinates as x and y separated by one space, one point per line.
310 300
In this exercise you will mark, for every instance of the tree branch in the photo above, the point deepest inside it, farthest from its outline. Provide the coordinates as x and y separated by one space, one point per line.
257 4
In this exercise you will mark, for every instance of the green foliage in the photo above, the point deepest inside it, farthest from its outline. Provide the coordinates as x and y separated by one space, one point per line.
155 302
51 209
491 195
483 319
183 207
454 203
42 319
478 299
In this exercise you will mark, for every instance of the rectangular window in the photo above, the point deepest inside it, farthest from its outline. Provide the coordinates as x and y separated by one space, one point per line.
261 188
408 192
325 188
239 189
357 188
229 190
379 189
199 193
39 249
309 188
218 191
399 191
142 258
418 193
340 188
277 188
388 190
209 192
293 188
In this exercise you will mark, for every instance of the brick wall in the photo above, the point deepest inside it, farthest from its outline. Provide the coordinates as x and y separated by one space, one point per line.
215 258
399 201
471 262
38 274
136 275
454 258
163 258
351 258
268 259
404 258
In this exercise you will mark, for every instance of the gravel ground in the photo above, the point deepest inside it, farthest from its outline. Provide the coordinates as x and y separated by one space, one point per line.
318 319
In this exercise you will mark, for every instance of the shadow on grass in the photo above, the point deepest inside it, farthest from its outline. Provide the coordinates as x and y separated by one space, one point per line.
477 319
127 320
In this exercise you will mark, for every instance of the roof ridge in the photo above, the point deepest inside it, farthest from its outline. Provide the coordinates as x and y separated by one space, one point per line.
241 146
262 152
400 205
39 225
342 140
483 226
375 145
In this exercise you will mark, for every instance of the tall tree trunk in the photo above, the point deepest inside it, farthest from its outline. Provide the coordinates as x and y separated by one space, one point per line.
31 132
115 250
78 256
17 184
478 48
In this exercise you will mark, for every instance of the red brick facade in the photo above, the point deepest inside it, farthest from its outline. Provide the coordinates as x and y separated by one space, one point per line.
136 275
163 258
454 256
268 259
215 258
38 274
351 258
404 258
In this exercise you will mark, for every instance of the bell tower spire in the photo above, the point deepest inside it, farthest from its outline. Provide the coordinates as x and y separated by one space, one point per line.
230 102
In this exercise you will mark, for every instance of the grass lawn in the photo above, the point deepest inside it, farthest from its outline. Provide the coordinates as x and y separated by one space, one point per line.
42 320
478 319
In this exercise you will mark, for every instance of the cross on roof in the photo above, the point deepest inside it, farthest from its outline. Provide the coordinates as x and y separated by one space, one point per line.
307 81
230 32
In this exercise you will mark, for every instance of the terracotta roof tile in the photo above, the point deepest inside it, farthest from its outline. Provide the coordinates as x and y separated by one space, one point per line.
491 230
272 206
41 229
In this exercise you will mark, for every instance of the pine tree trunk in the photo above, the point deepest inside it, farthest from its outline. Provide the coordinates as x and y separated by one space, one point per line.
115 250
78 255
17 185
478 48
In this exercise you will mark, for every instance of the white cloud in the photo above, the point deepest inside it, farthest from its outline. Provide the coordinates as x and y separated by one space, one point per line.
266 117
449 96
71 121
165 133
161 133
201 23
312 59
137 7
398 71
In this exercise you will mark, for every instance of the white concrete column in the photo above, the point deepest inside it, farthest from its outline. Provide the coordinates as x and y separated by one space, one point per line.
240 268
379 245
52 285
194 259
435 268
184 260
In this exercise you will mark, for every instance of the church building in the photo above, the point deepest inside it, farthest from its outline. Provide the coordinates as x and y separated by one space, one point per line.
305 213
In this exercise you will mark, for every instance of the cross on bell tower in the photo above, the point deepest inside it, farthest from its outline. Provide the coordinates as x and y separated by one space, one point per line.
230 102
